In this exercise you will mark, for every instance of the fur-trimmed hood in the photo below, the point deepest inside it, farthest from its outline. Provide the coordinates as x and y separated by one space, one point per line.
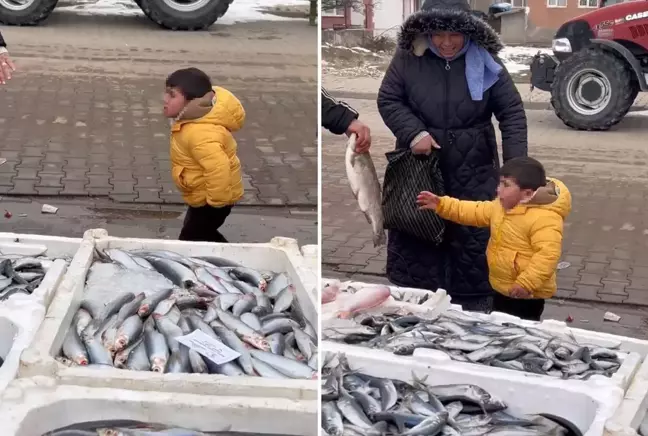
450 16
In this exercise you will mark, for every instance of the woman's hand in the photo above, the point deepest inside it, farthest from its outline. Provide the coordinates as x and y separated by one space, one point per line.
427 200
6 68
425 145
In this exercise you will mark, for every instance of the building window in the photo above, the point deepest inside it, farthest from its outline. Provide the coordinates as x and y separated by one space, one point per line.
557 3
335 12
519 3
588 3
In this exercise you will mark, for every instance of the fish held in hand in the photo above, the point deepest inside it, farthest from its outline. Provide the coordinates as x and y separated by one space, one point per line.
365 185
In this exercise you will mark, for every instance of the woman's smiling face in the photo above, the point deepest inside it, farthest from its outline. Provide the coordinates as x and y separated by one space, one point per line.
448 44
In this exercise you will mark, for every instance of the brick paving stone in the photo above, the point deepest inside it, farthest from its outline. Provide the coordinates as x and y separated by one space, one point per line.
101 134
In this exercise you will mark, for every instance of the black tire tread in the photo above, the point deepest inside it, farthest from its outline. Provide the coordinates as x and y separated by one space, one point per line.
603 60
171 22
38 15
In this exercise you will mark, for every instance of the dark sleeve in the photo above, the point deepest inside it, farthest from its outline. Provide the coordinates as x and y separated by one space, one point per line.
507 107
392 102
336 115
2 41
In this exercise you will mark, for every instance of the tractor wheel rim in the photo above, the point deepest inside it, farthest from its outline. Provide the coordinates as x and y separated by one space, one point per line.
16 5
184 5
588 77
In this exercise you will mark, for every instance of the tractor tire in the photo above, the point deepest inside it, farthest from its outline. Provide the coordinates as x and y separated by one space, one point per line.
25 13
174 15
593 90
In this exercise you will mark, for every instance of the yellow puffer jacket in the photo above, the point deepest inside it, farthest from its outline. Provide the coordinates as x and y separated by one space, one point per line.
526 241
205 166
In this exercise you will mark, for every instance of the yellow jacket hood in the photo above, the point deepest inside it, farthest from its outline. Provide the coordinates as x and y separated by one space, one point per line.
218 107
554 197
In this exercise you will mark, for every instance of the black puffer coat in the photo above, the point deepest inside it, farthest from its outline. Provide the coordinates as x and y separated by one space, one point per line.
422 92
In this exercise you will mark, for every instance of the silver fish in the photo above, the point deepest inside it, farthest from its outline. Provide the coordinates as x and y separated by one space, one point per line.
150 302
288 367
284 300
74 349
97 352
280 282
122 258
265 370
179 274
128 331
365 186
252 320
157 350
249 275
230 339
244 331
131 307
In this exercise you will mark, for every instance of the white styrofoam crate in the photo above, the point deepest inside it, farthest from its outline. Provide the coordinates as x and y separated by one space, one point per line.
21 315
633 408
632 351
587 407
57 248
311 255
436 303
34 406
281 254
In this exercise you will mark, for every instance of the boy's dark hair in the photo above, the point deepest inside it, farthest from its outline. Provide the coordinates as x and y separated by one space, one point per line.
527 172
191 82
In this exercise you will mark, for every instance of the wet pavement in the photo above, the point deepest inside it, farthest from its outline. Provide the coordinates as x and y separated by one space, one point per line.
245 224
82 117
606 236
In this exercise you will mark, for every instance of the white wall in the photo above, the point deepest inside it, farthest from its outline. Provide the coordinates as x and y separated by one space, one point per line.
357 18
388 16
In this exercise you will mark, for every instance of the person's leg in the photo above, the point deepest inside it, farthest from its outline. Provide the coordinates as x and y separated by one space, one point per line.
191 226
217 216
526 309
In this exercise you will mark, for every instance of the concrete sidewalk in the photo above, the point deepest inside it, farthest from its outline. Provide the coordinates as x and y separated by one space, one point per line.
245 224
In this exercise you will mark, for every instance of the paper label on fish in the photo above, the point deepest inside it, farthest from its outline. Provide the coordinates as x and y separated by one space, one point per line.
209 347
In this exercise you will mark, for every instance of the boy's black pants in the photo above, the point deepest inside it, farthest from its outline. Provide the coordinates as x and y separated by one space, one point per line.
530 309
202 224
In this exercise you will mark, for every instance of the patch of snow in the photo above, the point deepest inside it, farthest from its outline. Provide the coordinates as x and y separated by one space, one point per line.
240 11
102 7
518 58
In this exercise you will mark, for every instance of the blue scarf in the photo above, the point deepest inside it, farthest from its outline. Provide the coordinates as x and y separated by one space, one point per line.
482 71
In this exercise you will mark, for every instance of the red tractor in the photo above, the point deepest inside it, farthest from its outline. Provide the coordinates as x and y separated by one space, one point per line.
599 65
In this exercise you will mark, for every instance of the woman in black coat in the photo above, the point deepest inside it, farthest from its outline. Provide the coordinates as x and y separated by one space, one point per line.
438 96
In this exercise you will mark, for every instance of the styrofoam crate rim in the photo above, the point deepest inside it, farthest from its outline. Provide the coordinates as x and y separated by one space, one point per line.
41 394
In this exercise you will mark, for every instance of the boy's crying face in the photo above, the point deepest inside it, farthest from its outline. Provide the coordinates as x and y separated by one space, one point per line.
510 194
174 102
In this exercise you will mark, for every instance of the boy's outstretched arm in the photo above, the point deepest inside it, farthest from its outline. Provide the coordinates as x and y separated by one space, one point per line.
210 155
467 213
546 241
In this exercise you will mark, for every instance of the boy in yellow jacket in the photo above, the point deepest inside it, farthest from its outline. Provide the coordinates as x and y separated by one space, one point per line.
205 167
526 229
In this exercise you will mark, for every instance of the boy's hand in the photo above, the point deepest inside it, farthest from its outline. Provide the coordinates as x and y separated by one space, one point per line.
518 291
6 68
427 200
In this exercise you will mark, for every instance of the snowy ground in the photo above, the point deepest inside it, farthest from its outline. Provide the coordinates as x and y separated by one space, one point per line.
240 11
360 62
